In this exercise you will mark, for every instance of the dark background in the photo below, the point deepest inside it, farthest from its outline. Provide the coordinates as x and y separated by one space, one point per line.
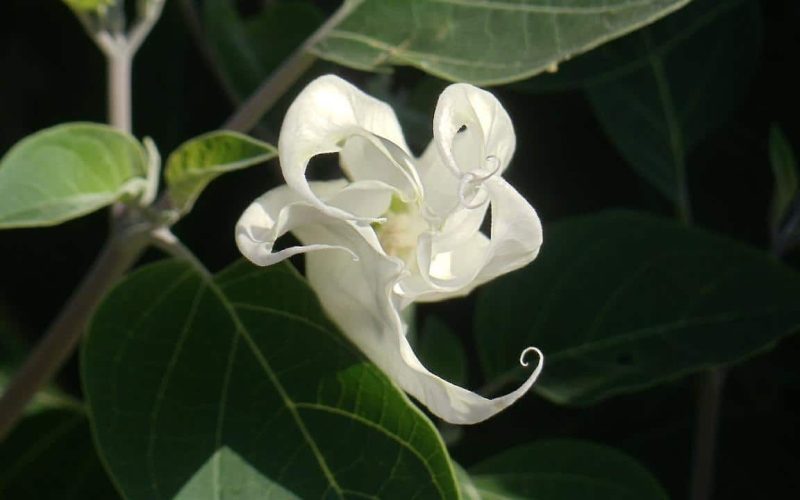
565 165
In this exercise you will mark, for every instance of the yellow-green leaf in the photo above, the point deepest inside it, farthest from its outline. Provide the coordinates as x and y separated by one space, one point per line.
196 163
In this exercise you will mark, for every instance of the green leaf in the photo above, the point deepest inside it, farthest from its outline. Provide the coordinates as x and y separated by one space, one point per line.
50 455
621 301
442 352
239 386
249 49
784 169
67 171
563 469
482 42
669 84
196 163
466 487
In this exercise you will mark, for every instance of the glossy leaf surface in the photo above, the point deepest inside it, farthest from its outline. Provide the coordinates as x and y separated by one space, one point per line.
240 386
621 301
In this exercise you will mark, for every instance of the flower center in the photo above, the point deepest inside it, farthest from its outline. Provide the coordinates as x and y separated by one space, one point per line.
398 235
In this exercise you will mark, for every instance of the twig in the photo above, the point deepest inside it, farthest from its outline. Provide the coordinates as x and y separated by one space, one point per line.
163 239
268 93
119 87
705 440
144 25
129 234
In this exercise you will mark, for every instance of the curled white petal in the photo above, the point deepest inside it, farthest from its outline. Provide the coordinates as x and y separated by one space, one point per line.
358 297
525 352
474 258
330 115
470 124
281 210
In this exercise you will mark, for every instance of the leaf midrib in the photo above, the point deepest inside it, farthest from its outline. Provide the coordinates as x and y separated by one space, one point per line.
647 332
163 386
291 406
231 307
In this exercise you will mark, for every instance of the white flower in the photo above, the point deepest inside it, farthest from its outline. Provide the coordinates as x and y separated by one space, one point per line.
397 229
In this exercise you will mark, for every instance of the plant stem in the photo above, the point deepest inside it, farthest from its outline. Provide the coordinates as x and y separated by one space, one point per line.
119 88
705 440
144 25
130 235
58 343
268 93
163 239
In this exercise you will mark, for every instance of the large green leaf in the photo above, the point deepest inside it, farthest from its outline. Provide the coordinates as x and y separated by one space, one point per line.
67 171
50 455
239 386
667 85
248 49
621 301
562 469
482 41
196 163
